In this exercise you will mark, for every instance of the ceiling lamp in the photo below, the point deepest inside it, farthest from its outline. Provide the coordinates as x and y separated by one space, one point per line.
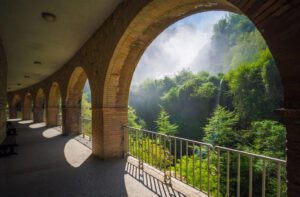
37 62
49 17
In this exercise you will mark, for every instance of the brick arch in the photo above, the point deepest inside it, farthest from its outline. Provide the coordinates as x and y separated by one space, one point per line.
278 22
27 107
39 106
54 99
72 104
158 15
146 26
15 106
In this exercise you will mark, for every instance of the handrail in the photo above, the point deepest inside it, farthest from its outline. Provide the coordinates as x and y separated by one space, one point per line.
175 137
251 154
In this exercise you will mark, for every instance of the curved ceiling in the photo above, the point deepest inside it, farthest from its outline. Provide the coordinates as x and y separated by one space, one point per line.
27 37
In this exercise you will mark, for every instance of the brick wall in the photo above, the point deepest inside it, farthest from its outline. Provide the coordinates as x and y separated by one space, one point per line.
3 81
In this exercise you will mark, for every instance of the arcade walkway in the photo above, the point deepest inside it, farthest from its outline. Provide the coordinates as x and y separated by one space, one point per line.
49 164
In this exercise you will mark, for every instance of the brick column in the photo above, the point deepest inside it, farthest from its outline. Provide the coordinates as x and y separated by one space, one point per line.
26 113
71 120
12 112
52 116
108 133
291 119
38 114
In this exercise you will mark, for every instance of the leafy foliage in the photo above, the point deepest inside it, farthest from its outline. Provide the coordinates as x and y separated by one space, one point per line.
221 128
133 120
232 109
163 123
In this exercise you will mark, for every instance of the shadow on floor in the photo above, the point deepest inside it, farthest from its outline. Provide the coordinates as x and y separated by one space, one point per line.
152 183
41 168
50 164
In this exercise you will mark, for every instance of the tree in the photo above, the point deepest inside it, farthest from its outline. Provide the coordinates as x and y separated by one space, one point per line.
163 123
220 129
254 86
133 120
269 138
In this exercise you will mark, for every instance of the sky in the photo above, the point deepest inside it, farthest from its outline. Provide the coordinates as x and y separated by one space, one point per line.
183 45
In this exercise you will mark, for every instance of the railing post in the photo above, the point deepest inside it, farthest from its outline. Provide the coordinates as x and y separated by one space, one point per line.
200 160
278 179
140 152
238 175
264 179
167 174
250 176
208 171
228 175
218 171
180 160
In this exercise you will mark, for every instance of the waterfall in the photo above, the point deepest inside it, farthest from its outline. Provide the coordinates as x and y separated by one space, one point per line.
219 93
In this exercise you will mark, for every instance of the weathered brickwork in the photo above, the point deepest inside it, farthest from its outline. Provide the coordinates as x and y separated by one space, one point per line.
27 107
110 56
3 81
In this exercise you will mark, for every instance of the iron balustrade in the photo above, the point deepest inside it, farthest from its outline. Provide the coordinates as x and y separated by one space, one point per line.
86 128
214 170
19 115
59 120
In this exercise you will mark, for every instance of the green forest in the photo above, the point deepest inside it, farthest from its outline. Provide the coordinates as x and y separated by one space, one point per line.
233 108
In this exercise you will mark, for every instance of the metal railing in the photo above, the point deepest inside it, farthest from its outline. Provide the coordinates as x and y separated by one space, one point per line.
214 170
19 114
59 119
86 128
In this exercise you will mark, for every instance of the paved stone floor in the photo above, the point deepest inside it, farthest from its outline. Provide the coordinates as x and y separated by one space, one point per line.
49 164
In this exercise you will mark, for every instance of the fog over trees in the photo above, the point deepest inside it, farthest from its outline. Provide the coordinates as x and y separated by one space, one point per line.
238 91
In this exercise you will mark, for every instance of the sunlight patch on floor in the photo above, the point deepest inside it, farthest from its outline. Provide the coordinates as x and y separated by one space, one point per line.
50 133
76 153
37 125
14 119
25 121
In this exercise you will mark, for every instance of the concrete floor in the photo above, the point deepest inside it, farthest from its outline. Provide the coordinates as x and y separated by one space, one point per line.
49 164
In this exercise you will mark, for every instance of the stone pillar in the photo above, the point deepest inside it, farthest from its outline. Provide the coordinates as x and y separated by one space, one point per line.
72 120
3 89
52 116
38 115
27 113
2 117
12 112
108 133
291 119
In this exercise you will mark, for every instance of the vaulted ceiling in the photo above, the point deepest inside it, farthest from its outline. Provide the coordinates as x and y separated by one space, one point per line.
36 47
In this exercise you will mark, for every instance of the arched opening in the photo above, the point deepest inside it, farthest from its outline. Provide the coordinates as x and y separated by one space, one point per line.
225 99
129 50
28 107
15 109
39 107
54 115
86 112
74 114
